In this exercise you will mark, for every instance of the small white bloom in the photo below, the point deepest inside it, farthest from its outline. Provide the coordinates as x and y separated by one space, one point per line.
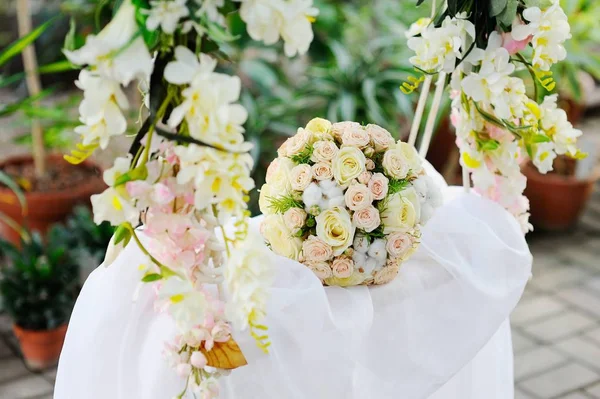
166 14
110 206
544 157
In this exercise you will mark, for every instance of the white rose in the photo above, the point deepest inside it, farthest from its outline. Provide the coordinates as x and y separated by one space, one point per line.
356 137
294 219
281 238
378 186
411 194
300 177
399 215
336 229
319 127
358 196
321 269
299 142
380 138
399 245
367 219
278 175
322 171
394 163
347 165
342 267
324 151
264 199
411 156
338 129
316 250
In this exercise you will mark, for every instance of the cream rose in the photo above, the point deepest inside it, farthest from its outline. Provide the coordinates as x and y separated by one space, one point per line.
320 128
365 177
367 219
280 237
300 177
316 250
335 228
299 142
356 137
324 151
358 196
294 219
347 165
264 199
379 186
321 269
399 244
394 163
380 138
338 129
411 157
386 274
322 171
399 215
342 267
278 175
370 164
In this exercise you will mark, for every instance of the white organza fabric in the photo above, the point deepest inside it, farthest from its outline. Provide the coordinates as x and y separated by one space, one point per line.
438 331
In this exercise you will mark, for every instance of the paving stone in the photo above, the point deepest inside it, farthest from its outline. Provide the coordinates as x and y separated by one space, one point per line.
536 361
593 284
5 351
26 387
583 299
559 381
581 349
521 343
536 309
560 326
519 394
594 335
575 395
594 390
50 374
556 278
11 368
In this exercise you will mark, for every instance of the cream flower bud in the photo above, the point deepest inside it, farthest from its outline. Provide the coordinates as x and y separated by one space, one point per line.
367 219
316 250
294 218
399 244
342 267
365 177
299 142
380 138
370 164
321 269
198 360
338 129
387 274
394 163
358 196
356 137
379 186
300 177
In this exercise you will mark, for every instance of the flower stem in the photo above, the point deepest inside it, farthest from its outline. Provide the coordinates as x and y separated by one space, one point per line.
533 77
165 271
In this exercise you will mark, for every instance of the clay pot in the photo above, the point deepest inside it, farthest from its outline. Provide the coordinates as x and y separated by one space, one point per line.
41 348
49 207
556 201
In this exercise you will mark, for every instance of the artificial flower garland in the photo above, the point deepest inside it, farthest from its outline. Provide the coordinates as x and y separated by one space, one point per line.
188 170
480 44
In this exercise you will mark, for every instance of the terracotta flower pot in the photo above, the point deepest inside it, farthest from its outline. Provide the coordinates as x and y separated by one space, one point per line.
41 349
556 201
48 207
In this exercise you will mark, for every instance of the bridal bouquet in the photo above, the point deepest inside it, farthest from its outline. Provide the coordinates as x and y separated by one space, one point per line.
347 201
479 46
187 172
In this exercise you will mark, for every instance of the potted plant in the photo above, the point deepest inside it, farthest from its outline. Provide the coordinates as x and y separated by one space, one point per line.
39 286
52 186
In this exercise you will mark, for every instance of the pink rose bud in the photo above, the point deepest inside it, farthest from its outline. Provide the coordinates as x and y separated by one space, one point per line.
198 360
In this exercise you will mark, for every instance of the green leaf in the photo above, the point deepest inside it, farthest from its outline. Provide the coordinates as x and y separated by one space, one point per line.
540 138
69 43
342 56
489 145
574 84
139 173
218 33
507 16
497 6
12 185
148 278
16 47
347 103
123 234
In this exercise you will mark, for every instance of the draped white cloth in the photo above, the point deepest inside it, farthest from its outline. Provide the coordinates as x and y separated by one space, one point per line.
438 331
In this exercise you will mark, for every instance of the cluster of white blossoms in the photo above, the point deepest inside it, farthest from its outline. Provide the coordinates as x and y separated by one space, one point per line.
181 194
347 201
497 125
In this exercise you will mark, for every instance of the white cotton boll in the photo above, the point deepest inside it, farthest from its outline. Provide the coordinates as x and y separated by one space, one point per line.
335 201
370 265
377 250
312 196
420 185
360 259
361 244
427 211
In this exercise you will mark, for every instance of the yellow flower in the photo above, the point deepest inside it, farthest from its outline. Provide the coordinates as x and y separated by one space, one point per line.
399 215
281 238
347 165
320 128
334 227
